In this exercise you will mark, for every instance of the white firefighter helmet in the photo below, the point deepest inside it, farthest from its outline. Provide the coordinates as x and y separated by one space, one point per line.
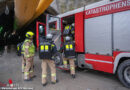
67 38
49 36
73 24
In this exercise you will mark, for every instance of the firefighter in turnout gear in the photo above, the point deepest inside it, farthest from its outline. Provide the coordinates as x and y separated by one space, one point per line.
66 31
47 50
28 51
69 31
68 49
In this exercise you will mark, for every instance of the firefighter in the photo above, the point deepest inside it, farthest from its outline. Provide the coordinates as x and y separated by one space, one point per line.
29 51
67 31
69 55
48 49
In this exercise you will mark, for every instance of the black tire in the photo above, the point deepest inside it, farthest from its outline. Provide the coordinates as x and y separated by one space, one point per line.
80 69
124 73
58 59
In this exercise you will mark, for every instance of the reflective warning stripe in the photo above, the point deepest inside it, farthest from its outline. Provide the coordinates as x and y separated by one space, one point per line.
53 74
65 62
67 27
102 61
27 56
23 67
52 45
42 47
67 47
31 71
46 47
71 46
72 68
26 73
26 46
43 76
18 48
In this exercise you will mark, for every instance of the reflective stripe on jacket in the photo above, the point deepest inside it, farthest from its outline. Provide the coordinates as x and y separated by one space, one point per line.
67 27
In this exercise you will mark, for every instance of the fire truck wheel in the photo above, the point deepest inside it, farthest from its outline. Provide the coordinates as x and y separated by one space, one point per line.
124 73
58 59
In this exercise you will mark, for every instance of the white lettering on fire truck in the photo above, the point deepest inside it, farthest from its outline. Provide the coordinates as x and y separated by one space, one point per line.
109 7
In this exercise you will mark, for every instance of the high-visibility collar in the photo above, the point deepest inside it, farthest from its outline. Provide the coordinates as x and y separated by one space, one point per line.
67 27
28 40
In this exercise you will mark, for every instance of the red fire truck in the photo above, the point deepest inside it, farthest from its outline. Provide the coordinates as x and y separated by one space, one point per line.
102 37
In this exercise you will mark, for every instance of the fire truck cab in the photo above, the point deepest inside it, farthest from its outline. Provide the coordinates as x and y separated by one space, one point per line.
102 37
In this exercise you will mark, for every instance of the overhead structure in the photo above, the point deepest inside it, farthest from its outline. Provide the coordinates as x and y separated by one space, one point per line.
27 10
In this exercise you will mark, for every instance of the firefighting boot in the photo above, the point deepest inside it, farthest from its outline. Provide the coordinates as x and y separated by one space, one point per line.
73 75
54 82
26 76
53 78
32 74
44 83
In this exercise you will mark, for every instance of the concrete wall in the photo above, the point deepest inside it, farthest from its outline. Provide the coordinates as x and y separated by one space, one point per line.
65 5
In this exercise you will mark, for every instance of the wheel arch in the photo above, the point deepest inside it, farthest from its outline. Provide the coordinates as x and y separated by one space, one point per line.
119 59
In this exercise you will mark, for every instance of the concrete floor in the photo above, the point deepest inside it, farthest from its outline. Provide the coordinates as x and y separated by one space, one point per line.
10 68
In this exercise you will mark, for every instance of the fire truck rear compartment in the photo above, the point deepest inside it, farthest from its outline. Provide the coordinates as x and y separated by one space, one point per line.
68 20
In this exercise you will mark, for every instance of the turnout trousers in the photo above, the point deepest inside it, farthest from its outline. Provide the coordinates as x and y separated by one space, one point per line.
23 63
72 65
52 67
29 68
